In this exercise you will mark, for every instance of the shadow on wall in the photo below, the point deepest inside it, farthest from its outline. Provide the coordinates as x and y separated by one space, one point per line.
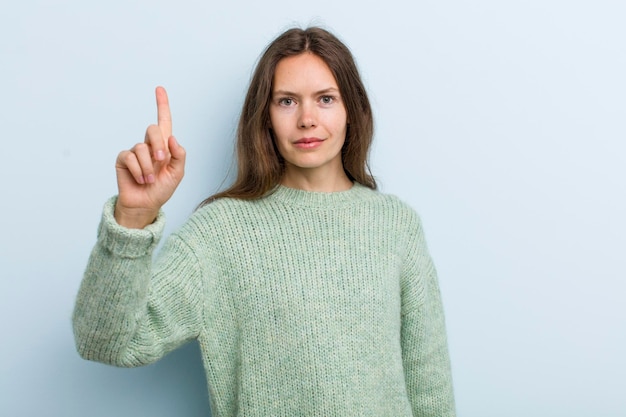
174 386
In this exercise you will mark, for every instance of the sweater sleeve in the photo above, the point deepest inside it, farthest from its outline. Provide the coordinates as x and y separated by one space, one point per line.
423 335
130 311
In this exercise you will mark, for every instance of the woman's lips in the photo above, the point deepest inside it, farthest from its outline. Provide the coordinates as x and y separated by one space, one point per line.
308 143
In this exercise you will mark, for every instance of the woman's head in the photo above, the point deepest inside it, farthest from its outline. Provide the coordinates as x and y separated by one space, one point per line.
260 165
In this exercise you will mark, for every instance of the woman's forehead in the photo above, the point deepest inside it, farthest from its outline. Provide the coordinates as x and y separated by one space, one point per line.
305 71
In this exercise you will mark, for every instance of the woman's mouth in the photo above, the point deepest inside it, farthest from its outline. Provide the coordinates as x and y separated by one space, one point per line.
308 143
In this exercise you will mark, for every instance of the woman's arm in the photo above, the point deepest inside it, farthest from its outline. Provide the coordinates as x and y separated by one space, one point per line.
424 342
129 311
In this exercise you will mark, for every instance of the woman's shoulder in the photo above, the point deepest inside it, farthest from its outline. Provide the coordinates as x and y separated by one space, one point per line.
222 211
395 204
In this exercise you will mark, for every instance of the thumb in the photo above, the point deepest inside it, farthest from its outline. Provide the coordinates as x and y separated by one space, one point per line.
177 161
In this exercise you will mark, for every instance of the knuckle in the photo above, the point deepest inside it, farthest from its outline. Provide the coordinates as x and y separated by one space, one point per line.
140 147
122 155
127 156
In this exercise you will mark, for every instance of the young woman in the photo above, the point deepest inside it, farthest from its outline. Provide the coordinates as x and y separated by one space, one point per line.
310 293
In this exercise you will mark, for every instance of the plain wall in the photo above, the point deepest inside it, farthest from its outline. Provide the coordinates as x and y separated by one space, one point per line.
501 122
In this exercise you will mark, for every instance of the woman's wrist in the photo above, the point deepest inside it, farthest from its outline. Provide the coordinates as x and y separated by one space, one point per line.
134 218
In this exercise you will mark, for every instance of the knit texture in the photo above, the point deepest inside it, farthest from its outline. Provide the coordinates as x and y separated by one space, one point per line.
303 303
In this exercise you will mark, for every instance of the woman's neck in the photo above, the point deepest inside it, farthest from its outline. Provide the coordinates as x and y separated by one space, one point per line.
316 180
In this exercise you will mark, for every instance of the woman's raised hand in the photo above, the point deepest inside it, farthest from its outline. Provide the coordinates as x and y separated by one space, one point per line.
148 174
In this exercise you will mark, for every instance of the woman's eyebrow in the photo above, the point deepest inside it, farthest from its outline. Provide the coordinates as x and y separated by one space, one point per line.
292 94
328 90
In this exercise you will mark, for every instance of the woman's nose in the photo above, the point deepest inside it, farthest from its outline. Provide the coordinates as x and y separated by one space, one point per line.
307 117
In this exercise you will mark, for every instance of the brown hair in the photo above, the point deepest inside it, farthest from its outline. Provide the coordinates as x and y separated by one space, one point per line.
259 165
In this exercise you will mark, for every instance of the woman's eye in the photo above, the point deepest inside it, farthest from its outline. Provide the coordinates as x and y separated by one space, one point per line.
285 101
327 99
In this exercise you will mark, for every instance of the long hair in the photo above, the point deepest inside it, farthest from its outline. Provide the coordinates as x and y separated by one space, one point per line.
259 164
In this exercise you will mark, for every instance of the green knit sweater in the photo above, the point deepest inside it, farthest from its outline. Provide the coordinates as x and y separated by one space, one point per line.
303 303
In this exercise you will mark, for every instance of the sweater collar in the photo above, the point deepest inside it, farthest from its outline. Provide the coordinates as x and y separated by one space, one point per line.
315 199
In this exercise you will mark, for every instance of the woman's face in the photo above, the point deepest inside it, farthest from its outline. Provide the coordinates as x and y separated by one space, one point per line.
307 116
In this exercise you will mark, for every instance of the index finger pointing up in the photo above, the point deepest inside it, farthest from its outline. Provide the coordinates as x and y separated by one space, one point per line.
163 113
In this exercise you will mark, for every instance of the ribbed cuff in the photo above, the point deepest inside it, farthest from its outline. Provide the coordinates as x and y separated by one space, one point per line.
125 242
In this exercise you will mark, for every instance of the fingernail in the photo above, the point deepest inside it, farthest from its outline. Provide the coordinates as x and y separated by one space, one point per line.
141 180
160 155
150 179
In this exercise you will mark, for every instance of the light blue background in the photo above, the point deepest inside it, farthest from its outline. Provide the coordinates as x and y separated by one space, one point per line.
501 122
